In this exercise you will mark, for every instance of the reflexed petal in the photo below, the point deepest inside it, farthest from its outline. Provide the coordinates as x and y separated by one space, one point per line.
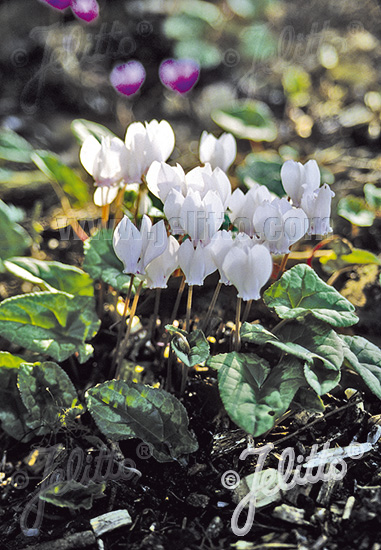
192 216
234 267
154 243
235 204
161 138
105 195
295 225
127 244
292 179
87 10
186 253
89 151
311 180
259 269
229 145
162 267
172 211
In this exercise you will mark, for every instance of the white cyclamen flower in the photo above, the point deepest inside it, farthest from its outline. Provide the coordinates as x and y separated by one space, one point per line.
248 269
136 249
279 225
298 179
219 152
196 263
148 142
162 267
162 178
317 206
218 247
243 206
107 161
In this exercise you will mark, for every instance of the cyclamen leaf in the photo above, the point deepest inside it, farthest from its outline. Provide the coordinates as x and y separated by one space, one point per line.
128 410
14 238
56 324
300 291
191 348
52 276
48 393
72 494
312 341
56 170
364 358
13 147
253 398
102 263
13 413
83 128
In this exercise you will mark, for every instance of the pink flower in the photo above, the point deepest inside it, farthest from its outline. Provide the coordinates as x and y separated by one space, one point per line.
87 10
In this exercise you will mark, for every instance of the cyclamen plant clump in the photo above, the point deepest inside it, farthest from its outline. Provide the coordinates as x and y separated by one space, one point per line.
190 224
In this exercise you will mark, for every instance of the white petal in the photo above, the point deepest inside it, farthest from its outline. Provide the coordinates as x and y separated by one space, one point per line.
234 267
162 141
311 176
229 145
292 179
105 195
259 269
186 253
235 204
162 267
222 185
156 243
89 151
127 244
192 216
172 210
295 225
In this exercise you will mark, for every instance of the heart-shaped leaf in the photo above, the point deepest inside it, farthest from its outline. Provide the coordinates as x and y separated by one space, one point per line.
14 239
128 410
191 348
300 291
48 394
253 398
52 276
56 324
248 120
364 358
13 147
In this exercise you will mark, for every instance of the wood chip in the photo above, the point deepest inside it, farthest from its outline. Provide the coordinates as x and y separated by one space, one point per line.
110 521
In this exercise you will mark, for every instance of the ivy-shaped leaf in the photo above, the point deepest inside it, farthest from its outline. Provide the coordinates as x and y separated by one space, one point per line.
13 413
102 263
191 348
72 494
253 398
312 341
48 394
365 359
56 324
14 238
300 291
127 410
52 276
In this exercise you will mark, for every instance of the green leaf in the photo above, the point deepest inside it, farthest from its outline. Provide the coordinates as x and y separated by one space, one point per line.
183 27
308 399
56 170
56 324
296 83
48 393
13 147
257 42
205 53
192 349
52 276
128 410
364 358
248 120
355 210
373 196
300 291
253 398
312 341
13 414
342 255
83 128
14 239
262 170
72 494
102 263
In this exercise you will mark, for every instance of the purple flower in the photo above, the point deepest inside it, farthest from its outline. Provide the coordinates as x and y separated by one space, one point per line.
128 77
179 75
87 10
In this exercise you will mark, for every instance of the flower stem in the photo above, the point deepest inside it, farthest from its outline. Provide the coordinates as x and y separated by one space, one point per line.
189 307
211 307
105 214
237 339
246 311
283 264
122 324
118 206
178 298
155 313
125 339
